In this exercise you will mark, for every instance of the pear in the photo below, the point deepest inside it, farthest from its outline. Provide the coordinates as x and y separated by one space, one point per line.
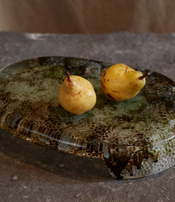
76 95
120 82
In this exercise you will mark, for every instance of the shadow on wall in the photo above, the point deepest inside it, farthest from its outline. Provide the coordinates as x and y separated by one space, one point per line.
87 17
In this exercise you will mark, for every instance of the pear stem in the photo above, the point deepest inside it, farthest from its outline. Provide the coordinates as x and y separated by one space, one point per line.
68 76
143 76
126 70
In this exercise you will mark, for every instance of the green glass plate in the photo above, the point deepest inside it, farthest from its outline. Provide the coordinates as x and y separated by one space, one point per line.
135 138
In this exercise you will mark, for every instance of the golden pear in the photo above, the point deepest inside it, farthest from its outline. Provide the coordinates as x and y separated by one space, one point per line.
121 82
76 95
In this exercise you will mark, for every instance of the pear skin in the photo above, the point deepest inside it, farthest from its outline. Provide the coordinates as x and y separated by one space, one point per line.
120 82
77 95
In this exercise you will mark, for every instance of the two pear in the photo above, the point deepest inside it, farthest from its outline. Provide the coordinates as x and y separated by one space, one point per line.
119 82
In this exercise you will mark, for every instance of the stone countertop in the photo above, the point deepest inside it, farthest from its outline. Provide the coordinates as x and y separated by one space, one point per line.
145 51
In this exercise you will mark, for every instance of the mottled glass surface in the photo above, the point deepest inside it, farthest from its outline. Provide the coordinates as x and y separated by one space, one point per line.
135 138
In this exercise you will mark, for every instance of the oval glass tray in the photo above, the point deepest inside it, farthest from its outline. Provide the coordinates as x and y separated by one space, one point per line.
135 138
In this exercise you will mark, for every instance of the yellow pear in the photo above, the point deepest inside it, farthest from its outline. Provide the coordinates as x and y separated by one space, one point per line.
76 95
121 82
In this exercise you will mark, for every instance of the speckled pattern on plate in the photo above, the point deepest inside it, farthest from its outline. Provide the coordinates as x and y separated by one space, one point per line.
135 138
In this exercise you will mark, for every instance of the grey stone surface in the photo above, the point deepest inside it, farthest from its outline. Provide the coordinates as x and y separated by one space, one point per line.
35 183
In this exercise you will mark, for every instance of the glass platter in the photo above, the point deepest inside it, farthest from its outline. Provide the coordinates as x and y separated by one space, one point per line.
133 138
